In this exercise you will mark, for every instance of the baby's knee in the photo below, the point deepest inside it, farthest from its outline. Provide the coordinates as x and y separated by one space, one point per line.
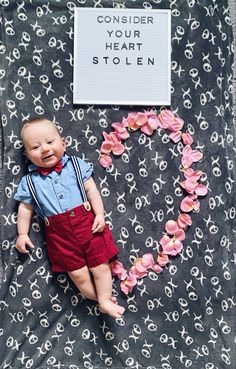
101 268
80 275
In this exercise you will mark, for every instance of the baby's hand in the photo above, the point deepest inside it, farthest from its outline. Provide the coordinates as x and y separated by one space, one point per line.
98 224
22 241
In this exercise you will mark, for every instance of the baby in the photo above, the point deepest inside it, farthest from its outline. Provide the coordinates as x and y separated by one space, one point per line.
62 191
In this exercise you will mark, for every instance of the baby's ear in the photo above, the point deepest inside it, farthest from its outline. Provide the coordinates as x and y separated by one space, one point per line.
64 142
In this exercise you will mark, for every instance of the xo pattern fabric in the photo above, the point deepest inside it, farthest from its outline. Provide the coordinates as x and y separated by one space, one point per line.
182 318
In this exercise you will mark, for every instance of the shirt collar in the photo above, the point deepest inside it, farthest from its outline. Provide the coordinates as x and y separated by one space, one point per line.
64 159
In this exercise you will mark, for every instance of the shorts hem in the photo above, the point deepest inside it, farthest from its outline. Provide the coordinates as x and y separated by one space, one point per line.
100 260
67 270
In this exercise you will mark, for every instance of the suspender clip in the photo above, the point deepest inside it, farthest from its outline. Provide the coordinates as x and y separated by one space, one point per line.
46 220
87 205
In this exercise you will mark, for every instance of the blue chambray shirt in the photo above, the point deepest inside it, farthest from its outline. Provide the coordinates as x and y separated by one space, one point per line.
56 192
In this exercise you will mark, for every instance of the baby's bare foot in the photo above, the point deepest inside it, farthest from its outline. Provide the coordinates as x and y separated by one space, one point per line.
111 308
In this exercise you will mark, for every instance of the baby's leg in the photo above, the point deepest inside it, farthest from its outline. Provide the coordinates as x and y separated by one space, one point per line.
103 283
83 281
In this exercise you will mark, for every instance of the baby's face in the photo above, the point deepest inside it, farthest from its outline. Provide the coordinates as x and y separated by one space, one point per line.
43 144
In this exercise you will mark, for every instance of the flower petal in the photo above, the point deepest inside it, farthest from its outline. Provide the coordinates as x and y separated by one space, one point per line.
165 117
184 221
146 129
105 161
187 161
118 149
118 269
164 240
162 259
139 267
173 248
153 122
191 173
176 124
141 119
187 139
105 135
125 289
179 235
147 260
201 190
196 155
106 147
157 268
189 185
190 203
187 204
171 227
187 150
120 131
128 284
175 136
178 246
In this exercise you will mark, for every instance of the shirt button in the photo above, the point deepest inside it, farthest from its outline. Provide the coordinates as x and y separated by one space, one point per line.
61 196
56 181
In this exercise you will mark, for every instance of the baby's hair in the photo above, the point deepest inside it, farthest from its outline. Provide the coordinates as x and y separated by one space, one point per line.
36 120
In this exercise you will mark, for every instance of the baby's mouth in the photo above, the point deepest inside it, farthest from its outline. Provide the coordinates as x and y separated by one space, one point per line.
47 157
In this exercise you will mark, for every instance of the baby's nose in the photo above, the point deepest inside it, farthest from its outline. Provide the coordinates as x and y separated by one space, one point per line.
44 147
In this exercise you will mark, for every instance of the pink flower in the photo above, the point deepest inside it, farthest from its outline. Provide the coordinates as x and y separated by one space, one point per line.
165 117
112 144
190 173
120 130
141 266
176 136
150 126
168 120
146 122
105 160
189 185
173 229
147 260
190 156
138 269
141 119
184 221
192 186
190 203
128 284
118 269
171 246
162 259
136 120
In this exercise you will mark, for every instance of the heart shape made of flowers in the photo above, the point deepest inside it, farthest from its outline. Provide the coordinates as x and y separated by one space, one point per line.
171 241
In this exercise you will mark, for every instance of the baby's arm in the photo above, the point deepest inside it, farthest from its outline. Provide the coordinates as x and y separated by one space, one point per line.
23 223
95 200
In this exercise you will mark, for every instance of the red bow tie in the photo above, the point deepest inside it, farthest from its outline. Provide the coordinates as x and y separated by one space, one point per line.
46 171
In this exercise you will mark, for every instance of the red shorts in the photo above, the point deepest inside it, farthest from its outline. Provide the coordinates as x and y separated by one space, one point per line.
71 244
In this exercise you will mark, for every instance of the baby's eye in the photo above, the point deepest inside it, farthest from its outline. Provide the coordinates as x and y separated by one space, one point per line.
35 147
50 142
